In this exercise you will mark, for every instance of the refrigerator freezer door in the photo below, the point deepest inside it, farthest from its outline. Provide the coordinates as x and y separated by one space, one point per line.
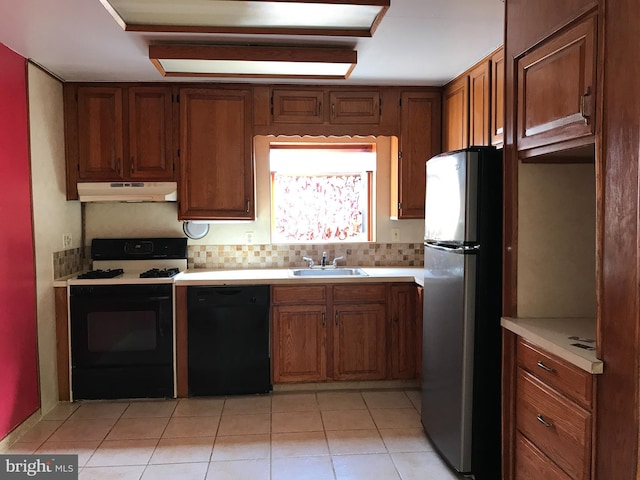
451 197
448 334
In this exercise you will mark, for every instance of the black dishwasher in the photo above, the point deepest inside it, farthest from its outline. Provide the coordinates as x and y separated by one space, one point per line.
228 339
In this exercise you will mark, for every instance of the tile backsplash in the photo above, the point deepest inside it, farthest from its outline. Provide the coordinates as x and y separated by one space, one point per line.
287 256
66 262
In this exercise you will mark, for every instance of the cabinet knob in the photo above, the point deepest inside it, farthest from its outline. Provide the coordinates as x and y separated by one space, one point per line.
132 163
248 206
336 318
118 165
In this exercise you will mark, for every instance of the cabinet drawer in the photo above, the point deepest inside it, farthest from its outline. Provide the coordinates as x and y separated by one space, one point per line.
298 295
556 372
359 293
558 427
532 464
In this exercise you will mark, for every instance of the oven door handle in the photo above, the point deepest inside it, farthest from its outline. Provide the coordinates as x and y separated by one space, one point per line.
125 298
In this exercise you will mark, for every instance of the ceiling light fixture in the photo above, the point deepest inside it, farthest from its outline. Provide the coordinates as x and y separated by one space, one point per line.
354 18
242 61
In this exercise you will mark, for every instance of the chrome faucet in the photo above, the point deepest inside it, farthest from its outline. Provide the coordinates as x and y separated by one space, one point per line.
335 260
323 262
310 260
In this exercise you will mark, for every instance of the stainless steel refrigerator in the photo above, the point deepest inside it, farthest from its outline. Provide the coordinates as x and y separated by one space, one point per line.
462 306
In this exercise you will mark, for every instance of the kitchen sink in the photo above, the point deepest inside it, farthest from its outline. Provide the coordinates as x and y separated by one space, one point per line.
328 272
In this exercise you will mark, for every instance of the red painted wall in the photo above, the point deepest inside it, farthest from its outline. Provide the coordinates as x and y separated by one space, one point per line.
18 356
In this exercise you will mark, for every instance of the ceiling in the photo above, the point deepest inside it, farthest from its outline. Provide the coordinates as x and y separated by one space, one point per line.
418 42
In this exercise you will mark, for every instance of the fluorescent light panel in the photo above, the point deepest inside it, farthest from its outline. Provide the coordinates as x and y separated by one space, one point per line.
310 17
252 61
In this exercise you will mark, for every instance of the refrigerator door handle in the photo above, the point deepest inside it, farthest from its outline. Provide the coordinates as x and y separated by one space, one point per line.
447 247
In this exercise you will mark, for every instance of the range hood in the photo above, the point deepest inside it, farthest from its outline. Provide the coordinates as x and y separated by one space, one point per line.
127 191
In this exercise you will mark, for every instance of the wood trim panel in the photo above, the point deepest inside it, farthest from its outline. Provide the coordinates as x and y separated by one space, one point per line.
298 294
62 342
182 343
509 368
364 292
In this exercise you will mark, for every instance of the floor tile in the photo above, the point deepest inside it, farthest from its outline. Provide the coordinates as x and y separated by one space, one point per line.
406 440
340 401
298 444
297 422
258 469
191 427
244 424
416 398
251 405
347 420
241 447
182 471
83 448
41 431
111 473
22 448
422 466
369 467
113 453
84 428
396 418
348 442
302 468
61 411
387 399
138 428
294 402
162 408
183 450
199 407
100 410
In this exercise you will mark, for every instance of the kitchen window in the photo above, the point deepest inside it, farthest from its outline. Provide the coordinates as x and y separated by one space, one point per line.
322 192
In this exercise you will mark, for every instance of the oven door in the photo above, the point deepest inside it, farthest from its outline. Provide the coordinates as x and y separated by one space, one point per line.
121 341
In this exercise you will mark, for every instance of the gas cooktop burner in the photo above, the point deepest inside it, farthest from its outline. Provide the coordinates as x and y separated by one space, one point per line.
110 273
157 273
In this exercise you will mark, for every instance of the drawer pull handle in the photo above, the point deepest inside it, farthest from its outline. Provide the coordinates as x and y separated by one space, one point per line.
544 422
545 368
324 319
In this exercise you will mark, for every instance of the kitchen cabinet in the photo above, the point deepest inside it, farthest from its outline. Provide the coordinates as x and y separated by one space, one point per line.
556 85
118 133
479 104
497 97
355 107
455 114
216 173
552 402
329 332
297 106
419 140
403 315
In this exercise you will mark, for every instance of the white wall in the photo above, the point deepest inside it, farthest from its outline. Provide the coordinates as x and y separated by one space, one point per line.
53 215
128 220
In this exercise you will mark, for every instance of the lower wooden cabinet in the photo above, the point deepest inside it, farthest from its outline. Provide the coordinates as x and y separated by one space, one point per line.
549 433
343 332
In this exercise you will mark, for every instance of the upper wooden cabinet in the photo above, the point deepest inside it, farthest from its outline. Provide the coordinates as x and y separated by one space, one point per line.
216 180
556 85
116 133
455 115
497 98
479 104
297 106
355 107
419 140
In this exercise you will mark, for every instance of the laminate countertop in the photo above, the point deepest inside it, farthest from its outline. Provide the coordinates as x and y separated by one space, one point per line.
284 276
561 336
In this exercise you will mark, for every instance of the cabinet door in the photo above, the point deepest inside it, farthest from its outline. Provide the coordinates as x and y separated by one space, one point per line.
479 104
297 106
299 343
359 342
419 141
497 98
150 134
556 87
100 124
216 160
403 331
532 464
455 115
355 107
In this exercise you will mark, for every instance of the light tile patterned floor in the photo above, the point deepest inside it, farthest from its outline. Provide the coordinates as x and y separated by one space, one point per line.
324 435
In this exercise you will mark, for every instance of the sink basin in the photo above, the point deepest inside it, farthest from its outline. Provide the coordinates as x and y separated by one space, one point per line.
328 272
